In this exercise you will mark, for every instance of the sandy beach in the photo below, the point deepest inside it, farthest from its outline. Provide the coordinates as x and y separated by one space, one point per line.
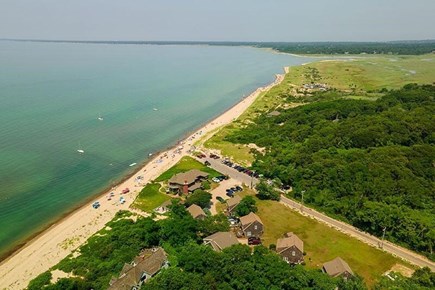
58 241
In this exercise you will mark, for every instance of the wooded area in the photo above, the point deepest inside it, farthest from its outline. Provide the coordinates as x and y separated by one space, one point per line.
369 163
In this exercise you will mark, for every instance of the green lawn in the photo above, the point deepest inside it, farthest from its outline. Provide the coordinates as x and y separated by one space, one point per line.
150 197
185 164
322 243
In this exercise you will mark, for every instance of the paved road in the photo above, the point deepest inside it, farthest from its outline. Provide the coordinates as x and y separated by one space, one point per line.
365 237
217 165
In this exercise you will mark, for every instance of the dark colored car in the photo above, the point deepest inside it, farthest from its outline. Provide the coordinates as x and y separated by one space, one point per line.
214 156
206 163
254 241
230 193
220 199
238 188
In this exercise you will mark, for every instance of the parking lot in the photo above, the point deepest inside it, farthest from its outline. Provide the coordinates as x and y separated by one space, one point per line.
221 192
241 177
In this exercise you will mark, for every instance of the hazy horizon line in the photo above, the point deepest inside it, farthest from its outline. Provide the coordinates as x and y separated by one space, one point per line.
211 41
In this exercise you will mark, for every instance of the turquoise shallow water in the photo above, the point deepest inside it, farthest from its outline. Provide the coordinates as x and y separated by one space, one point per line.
51 95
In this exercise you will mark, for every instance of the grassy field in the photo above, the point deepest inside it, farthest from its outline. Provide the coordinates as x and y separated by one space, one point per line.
322 243
185 164
150 197
370 73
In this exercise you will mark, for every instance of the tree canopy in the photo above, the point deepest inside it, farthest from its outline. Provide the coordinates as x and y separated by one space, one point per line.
371 163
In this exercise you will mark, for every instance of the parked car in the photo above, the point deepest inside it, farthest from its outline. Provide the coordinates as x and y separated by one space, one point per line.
230 193
122 200
96 204
222 177
220 199
206 163
214 156
215 179
126 190
233 222
254 241
238 188
200 155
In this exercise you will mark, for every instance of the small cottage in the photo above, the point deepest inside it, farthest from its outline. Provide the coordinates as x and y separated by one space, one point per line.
337 268
196 212
291 248
251 225
221 240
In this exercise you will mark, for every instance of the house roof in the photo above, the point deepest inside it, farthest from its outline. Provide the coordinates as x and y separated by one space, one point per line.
188 177
249 219
221 240
233 202
289 241
194 186
195 211
336 267
149 261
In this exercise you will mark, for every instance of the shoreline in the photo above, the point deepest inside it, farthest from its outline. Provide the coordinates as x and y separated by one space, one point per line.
49 246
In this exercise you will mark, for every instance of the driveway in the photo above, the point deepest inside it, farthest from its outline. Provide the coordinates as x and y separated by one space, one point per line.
220 191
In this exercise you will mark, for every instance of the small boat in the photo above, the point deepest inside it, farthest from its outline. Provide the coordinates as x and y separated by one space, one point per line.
100 118
155 109
81 151
133 164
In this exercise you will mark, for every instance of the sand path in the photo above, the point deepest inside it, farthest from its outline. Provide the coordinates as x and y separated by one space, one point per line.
55 243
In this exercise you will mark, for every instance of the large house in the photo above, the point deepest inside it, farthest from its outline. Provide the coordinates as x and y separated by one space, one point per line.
143 267
187 181
291 248
251 225
232 203
196 212
221 240
337 268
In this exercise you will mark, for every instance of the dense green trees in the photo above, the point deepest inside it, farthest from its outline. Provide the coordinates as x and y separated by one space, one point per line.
368 162
266 191
237 268
246 205
199 197
422 279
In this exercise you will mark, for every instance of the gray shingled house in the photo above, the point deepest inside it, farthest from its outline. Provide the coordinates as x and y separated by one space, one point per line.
291 248
337 268
251 225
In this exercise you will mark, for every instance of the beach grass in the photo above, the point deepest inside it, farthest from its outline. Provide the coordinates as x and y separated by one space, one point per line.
150 197
185 164
370 73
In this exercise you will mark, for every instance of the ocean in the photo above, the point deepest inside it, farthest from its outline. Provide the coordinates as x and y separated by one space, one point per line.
148 97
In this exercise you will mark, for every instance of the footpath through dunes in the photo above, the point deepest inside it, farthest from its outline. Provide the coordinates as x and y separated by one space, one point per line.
54 244
389 247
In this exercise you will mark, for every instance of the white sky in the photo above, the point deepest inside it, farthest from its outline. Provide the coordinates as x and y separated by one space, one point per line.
208 20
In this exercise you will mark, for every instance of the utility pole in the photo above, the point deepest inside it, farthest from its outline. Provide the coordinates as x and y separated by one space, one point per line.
383 237
302 202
